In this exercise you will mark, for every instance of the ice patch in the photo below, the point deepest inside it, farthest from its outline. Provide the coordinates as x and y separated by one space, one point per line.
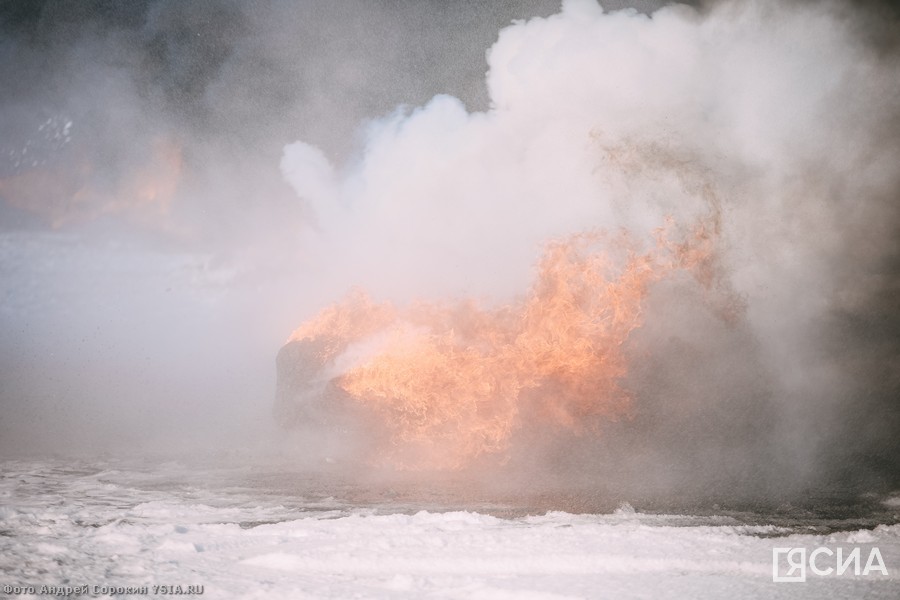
625 510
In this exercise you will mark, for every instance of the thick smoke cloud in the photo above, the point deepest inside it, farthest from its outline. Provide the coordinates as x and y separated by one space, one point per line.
183 183
779 120
150 264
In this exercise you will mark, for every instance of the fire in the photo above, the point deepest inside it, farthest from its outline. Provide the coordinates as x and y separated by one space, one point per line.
449 383
77 190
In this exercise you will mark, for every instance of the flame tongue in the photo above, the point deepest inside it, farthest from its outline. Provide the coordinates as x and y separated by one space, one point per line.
448 384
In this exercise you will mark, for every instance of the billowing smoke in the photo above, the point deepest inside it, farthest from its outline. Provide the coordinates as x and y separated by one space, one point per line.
150 255
777 122
184 185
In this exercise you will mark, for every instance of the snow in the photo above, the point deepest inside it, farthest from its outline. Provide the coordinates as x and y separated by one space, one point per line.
108 523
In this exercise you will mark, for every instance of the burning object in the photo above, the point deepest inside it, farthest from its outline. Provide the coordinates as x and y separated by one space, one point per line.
442 385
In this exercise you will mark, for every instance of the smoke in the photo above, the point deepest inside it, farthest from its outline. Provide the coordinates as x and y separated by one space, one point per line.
150 260
778 119
182 184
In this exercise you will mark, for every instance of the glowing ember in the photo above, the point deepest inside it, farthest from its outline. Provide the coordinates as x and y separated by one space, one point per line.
447 384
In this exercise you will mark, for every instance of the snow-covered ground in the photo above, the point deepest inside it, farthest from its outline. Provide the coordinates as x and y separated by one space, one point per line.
249 532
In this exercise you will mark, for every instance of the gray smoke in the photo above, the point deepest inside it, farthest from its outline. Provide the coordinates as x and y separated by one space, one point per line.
777 119
163 229
152 259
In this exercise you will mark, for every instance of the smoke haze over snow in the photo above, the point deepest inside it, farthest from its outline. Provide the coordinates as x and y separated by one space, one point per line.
182 185
150 267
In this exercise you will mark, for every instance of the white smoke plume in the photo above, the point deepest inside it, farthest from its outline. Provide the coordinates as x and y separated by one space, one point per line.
779 118
153 258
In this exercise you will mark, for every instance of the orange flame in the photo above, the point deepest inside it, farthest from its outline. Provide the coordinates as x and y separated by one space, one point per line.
450 383
75 191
